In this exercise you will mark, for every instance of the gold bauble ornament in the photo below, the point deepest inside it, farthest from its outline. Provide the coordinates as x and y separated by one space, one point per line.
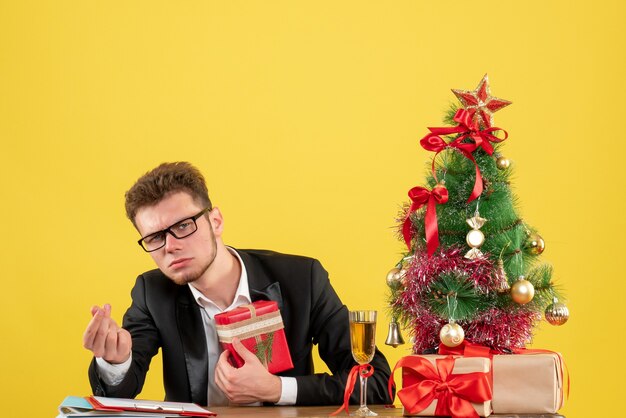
522 291
451 335
535 244
396 276
502 163
557 313
393 277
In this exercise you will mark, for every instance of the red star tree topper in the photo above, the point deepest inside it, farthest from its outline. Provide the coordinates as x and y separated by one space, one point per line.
480 103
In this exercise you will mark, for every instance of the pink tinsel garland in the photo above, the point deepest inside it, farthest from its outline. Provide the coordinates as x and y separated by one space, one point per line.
497 328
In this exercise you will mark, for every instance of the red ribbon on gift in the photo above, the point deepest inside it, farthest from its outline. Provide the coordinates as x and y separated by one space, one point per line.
454 392
421 196
360 370
467 349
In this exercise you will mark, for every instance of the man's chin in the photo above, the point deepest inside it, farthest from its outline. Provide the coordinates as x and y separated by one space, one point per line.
183 279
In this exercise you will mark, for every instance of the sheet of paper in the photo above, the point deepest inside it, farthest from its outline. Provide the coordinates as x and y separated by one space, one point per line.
177 407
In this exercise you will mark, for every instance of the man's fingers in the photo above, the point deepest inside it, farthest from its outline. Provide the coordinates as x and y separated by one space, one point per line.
245 354
220 381
92 328
124 344
223 377
101 336
222 360
110 345
105 338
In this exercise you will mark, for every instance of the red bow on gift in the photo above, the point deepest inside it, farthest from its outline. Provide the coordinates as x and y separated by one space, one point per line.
454 392
419 197
466 129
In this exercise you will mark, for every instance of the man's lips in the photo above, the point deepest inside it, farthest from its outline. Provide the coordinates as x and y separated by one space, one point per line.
179 262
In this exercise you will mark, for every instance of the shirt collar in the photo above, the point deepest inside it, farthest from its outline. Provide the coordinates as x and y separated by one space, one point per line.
242 295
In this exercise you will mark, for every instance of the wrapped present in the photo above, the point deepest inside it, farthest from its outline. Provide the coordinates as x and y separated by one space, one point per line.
527 383
436 385
260 328
531 381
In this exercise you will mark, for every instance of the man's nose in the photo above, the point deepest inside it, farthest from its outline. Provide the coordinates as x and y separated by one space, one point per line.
171 242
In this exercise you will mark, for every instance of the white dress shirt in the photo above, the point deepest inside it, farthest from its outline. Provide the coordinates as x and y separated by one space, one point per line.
113 374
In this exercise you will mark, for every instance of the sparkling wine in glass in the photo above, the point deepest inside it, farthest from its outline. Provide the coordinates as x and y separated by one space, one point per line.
363 344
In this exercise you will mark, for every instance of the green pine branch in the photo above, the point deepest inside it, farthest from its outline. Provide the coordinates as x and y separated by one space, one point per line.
453 297
264 349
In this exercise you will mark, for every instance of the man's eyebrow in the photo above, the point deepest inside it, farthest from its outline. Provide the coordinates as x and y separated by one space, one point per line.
169 226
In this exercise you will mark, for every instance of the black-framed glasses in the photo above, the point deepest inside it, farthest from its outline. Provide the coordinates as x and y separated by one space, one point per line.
180 229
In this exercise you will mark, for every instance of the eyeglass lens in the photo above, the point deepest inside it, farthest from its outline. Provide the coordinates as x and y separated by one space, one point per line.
182 229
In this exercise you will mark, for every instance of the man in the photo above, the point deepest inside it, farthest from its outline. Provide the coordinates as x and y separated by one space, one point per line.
197 277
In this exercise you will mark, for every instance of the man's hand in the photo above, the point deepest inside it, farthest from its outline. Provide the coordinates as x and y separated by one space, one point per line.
251 382
105 338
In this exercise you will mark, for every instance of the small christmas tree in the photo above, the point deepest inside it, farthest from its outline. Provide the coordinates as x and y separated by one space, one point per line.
472 269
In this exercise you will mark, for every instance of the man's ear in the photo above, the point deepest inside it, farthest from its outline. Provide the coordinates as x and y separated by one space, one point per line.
217 221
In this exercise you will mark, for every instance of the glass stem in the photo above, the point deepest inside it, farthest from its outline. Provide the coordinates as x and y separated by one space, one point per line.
363 391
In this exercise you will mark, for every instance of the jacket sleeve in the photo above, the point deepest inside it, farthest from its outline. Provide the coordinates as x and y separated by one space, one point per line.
146 343
330 330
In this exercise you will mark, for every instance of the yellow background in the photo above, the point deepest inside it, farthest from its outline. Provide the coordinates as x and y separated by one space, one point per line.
305 118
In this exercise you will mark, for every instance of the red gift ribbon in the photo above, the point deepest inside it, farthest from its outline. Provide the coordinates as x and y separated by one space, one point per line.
362 370
467 349
421 196
454 392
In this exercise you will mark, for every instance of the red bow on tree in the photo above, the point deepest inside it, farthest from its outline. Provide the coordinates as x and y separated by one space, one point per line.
421 196
432 142
467 129
454 392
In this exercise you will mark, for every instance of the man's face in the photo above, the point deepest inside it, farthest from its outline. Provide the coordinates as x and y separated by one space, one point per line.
187 259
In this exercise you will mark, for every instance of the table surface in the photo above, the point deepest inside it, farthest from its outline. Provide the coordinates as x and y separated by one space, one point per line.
324 411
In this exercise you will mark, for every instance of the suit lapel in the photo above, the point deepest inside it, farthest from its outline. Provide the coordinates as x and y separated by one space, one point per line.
260 284
192 334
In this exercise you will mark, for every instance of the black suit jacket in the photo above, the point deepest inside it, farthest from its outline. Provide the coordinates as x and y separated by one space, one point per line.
165 315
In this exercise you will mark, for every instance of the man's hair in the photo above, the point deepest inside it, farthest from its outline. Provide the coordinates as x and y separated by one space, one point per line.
162 181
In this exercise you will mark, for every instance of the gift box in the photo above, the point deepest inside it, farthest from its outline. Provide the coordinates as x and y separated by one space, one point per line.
260 329
527 383
454 386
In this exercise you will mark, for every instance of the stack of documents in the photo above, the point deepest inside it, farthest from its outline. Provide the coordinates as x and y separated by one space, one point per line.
97 406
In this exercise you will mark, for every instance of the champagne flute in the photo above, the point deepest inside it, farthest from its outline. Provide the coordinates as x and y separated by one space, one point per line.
363 344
